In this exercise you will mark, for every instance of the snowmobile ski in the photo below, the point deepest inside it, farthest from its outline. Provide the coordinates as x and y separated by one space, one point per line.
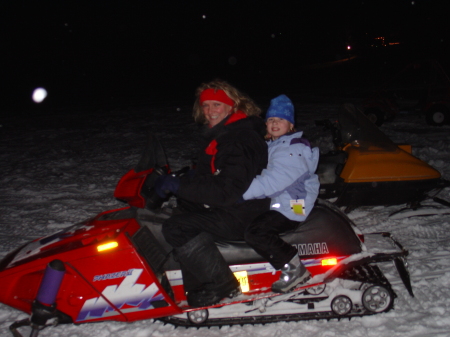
441 207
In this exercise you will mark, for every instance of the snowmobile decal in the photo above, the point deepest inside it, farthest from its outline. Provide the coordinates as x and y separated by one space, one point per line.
175 277
38 246
113 275
312 248
129 293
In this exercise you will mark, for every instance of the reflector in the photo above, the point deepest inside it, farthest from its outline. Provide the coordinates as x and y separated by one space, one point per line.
243 280
106 246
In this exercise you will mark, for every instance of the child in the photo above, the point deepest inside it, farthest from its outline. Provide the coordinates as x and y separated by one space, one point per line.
290 182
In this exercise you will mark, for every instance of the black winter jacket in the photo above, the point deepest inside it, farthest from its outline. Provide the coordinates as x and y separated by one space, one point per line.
233 154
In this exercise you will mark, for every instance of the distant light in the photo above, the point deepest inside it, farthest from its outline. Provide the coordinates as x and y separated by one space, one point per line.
106 246
203 16
349 47
39 95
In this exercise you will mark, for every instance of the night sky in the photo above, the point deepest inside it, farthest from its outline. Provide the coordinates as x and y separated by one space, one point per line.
123 52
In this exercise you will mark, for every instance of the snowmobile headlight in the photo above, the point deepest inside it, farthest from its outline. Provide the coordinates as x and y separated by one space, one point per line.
107 246
329 262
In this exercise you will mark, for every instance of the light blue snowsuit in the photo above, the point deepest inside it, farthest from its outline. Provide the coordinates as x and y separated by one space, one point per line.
289 176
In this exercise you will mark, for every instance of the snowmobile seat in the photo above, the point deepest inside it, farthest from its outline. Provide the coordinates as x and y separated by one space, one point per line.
327 231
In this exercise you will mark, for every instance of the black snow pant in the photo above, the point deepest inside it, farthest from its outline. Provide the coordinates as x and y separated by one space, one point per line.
207 278
194 219
263 236
192 234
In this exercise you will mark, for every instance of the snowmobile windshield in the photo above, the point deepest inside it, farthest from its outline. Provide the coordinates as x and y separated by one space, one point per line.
358 130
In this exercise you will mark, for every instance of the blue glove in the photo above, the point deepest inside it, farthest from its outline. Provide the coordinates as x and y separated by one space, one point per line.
164 185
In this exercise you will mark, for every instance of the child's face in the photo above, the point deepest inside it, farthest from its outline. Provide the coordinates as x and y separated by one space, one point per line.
277 127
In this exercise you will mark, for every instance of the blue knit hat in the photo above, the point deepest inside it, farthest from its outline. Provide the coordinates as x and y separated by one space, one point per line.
281 107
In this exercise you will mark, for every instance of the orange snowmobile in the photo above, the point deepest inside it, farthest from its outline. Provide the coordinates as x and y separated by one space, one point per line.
367 168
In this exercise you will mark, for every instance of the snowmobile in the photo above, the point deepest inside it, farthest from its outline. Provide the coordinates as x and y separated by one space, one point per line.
367 169
117 266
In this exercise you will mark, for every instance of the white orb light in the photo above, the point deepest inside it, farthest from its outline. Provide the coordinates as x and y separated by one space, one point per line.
39 95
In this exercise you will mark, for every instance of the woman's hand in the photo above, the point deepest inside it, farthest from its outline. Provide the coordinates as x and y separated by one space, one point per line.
164 185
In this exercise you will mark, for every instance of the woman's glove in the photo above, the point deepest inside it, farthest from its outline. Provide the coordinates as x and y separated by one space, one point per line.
164 185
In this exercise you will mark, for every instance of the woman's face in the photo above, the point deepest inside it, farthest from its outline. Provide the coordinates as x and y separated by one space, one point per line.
277 127
215 111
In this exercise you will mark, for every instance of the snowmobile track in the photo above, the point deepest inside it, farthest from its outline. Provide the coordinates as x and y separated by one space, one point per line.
369 274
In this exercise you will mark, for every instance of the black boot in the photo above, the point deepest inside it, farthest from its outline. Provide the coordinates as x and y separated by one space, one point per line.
207 278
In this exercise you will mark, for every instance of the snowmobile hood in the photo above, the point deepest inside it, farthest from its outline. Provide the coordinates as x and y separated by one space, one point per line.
376 164
90 232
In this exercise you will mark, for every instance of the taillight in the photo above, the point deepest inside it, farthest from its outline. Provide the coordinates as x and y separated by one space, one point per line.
329 262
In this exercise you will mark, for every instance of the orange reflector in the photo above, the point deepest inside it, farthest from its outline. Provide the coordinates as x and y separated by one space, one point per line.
106 246
329 262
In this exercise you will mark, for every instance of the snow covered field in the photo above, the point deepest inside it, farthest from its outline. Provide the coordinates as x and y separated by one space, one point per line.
58 169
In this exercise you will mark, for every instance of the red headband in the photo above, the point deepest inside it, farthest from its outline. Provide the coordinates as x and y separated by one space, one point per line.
215 95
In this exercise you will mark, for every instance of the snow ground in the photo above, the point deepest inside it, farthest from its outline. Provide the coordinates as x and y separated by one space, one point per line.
58 169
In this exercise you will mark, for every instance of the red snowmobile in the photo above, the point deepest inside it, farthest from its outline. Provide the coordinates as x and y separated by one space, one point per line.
117 266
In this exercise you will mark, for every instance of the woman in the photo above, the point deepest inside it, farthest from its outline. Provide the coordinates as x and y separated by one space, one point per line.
291 183
233 153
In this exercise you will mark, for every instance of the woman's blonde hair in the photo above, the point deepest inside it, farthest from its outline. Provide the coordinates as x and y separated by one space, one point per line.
242 101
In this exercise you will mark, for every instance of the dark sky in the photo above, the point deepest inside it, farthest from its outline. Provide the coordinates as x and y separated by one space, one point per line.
111 51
